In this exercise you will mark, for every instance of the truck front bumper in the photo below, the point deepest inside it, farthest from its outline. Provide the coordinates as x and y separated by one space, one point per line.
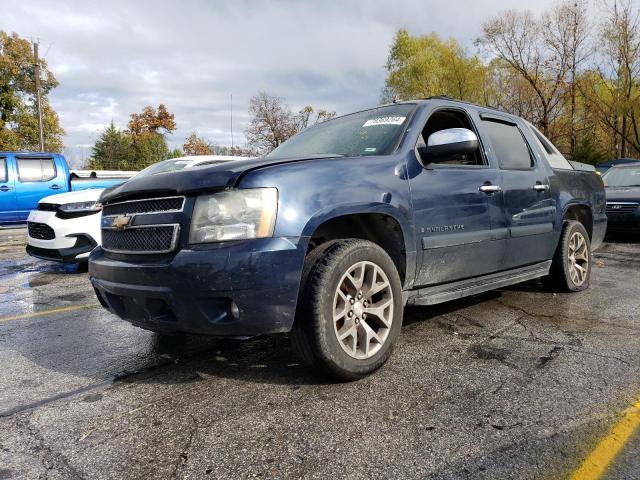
232 288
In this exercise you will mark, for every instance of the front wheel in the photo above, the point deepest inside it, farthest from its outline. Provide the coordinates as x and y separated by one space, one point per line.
349 309
571 267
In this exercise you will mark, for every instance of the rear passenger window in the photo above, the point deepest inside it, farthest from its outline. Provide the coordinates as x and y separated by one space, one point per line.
3 170
509 145
554 157
36 169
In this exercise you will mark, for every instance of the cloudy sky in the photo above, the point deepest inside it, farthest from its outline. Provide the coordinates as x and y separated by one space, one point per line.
112 58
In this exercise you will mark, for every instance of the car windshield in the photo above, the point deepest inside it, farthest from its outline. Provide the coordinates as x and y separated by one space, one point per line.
175 165
622 177
372 132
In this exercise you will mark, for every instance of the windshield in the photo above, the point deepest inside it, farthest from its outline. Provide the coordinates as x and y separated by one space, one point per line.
175 165
372 132
622 177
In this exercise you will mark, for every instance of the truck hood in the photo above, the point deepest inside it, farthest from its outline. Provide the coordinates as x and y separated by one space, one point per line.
87 195
194 180
623 193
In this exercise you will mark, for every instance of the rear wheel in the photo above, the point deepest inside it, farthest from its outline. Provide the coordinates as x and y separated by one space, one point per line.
349 310
571 267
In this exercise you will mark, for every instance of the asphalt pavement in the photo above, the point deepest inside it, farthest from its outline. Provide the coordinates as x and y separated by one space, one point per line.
519 383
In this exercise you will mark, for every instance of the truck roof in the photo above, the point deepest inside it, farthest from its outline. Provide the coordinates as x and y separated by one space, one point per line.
454 101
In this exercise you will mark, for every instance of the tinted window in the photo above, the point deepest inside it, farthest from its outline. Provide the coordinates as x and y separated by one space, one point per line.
372 132
554 157
509 145
3 170
36 169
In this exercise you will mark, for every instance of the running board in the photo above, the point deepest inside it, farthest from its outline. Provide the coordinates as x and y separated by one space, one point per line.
473 286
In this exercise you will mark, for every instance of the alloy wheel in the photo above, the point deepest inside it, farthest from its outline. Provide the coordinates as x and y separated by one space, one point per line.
363 310
578 258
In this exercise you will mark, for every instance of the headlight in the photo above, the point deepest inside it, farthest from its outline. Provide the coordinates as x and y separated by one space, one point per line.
234 215
80 207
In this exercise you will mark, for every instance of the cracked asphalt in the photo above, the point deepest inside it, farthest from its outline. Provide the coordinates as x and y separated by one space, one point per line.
517 383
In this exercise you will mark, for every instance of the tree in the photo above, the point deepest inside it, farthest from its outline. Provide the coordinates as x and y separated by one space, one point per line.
175 153
196 146
150 120
149 148
113 151
271 122
423 66
616 96
18 119
306 118
522 43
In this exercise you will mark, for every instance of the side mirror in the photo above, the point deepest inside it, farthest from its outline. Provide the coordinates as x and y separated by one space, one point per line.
449 143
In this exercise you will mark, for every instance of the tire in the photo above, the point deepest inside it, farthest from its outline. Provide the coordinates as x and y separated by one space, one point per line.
564 276
325 310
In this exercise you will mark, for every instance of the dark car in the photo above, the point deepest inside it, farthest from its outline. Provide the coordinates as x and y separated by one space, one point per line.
335 231
604 166
623 198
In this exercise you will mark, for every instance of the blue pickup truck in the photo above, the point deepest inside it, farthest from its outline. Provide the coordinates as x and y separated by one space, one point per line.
335 231
25 178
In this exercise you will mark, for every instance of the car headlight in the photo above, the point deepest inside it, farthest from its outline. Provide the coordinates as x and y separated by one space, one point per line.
80 207
234 215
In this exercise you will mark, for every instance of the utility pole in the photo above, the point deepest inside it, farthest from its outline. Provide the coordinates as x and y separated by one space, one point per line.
38 100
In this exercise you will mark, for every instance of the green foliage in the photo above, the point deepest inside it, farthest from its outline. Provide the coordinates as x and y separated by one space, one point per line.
424 65
149 148
18 117
118 150
175 153
588 151
113 151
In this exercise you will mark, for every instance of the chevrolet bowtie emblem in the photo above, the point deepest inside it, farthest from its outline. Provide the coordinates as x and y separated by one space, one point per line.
120 222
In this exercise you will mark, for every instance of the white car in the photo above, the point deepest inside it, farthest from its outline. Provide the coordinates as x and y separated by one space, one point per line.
66 227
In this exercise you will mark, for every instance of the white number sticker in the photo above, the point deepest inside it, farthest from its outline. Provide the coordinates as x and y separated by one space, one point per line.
384 121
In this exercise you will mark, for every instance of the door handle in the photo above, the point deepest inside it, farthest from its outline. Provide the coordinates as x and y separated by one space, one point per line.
539 187
4 188
490 188
55 187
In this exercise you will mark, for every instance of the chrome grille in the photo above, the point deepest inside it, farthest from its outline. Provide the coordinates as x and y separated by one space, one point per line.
621 207
41 231
147 205
143 239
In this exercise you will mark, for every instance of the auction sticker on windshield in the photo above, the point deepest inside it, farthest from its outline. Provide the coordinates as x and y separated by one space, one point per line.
384 121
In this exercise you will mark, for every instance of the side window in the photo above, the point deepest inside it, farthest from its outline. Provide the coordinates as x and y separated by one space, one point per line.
442 120
36 169
509 145
554 157
3 170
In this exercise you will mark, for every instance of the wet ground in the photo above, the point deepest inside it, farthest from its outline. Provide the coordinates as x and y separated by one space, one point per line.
519 383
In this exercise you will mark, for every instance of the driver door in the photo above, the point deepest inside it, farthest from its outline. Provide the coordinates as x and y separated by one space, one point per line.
456 205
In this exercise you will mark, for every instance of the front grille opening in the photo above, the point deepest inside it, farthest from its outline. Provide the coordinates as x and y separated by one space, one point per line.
41 231
151 205
155 239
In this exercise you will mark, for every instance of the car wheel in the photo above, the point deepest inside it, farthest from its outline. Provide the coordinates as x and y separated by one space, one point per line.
571 267
349 309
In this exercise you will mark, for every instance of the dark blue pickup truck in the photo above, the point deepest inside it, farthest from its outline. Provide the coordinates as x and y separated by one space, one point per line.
339 228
